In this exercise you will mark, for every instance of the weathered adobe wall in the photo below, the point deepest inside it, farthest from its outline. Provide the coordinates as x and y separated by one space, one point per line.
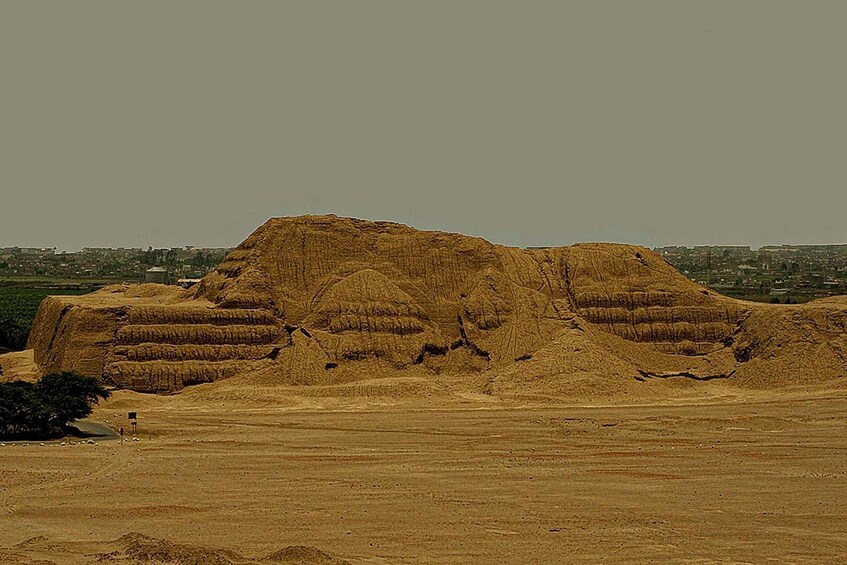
136 343
69 337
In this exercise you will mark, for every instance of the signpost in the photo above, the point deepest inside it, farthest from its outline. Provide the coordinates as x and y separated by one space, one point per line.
133 419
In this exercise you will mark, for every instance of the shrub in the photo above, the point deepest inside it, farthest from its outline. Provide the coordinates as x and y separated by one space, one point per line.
45 408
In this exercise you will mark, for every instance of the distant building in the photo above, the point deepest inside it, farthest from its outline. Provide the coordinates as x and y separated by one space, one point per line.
156 275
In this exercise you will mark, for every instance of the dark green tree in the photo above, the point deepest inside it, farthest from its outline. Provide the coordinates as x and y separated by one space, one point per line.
22 410
45 408
69 396
13 333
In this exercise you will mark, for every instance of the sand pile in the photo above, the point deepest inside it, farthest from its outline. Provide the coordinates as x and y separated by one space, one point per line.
316 300
139 548
144 549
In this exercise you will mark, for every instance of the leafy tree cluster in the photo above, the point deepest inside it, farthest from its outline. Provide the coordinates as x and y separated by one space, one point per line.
13 334
45 408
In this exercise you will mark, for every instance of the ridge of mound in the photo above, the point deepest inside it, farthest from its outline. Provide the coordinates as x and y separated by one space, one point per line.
306 300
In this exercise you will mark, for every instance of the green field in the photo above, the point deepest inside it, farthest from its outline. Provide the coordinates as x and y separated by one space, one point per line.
18 307
43 281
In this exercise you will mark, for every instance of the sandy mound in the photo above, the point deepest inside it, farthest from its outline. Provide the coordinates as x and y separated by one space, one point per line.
139 548
145 549
323 301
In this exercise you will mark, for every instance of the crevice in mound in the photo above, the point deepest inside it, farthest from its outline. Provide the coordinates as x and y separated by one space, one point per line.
359 355
291 328
470 344
644 375
835 349
58 325
745 354
430 349
274 353
122 314
543 265
569 287
303 254
731 339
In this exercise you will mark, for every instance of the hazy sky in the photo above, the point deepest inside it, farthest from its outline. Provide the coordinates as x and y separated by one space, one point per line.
527 123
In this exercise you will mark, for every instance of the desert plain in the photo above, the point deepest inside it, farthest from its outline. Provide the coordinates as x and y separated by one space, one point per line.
366 475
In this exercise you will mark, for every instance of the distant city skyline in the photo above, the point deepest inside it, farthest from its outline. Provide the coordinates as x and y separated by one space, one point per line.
782 272
219 247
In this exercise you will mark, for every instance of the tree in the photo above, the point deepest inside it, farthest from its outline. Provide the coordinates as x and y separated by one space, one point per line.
13 334
45 408
70 396
21 409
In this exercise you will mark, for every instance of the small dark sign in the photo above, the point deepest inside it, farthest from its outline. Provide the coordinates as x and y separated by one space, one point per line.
132 415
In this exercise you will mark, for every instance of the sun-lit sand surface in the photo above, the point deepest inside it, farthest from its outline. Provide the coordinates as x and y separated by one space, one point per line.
746 481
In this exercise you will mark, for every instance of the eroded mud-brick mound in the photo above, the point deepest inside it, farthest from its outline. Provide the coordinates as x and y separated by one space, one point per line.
309 300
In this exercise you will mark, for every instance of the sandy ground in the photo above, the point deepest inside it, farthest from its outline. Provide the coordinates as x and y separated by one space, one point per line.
741 482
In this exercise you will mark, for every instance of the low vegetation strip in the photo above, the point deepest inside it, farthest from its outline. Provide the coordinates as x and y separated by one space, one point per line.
18 307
